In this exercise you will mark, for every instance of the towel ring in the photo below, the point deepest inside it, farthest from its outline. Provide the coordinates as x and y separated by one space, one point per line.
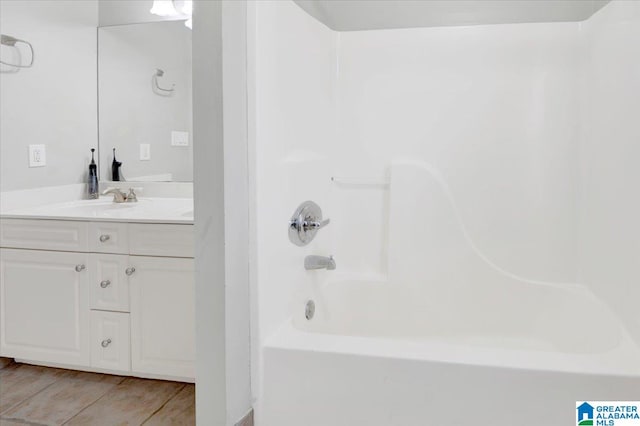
7 40
160 73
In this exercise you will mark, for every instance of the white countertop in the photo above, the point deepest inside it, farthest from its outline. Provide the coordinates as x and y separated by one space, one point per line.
146 210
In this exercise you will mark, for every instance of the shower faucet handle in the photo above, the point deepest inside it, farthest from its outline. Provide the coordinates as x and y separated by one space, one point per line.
316 224
305 223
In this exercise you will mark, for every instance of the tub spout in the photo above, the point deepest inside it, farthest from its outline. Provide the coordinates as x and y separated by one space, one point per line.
319 262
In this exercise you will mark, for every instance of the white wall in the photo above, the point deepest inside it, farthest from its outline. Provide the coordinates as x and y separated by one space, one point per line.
610 203
211 396
236 205
223 391
53 103
132 112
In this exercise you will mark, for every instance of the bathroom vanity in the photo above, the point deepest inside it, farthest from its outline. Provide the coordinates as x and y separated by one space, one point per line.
100 286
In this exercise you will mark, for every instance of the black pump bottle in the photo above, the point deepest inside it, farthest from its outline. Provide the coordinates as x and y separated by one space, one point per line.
92 183
115 168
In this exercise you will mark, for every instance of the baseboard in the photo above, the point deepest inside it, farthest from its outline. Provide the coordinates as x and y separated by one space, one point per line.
247 420
106 371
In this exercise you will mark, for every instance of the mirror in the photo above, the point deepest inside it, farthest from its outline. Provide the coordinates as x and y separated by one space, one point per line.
144 101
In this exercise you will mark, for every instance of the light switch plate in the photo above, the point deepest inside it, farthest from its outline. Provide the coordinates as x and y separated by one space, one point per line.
179 138
37 156
145 152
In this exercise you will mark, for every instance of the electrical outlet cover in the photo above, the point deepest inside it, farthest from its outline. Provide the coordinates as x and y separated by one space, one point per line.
145 152
37 156
179 138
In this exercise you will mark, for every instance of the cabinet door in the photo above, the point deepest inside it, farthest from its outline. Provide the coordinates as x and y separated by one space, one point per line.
162 316
44 306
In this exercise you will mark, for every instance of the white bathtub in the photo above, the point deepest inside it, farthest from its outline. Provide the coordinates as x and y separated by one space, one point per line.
371 357
450 339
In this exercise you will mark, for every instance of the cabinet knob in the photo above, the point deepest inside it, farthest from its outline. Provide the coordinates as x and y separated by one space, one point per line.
105 343
104 238
80 268
105 283
130 270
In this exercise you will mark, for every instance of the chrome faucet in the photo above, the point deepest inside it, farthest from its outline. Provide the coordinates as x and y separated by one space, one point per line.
118 195
319 262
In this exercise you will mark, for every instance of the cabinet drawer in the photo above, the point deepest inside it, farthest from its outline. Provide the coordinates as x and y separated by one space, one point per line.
108 283
108 237
110 341
41 234
161 240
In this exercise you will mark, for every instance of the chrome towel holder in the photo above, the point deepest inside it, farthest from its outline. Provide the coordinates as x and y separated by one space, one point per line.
7 40
160 73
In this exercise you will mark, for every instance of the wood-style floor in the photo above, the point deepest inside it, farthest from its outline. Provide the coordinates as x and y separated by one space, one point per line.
31 395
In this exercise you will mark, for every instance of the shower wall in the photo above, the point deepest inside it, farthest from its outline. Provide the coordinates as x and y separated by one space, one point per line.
291 70
610 176
531 125
494 108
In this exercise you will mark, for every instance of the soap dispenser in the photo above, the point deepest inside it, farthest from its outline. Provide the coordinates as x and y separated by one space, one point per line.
115 168
92 183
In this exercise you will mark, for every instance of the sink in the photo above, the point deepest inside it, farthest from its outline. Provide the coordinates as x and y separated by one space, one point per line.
90 208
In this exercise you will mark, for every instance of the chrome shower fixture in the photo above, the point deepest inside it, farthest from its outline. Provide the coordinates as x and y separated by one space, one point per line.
305 223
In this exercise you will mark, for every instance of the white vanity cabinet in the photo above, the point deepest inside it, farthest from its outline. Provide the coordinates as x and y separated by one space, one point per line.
112 296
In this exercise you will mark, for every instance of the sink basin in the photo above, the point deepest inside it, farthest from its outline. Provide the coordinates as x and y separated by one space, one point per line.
161 210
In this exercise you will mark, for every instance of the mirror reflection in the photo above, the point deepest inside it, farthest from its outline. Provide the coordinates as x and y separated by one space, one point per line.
144 97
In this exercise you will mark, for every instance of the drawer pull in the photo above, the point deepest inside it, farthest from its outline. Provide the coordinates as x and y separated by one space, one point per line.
130 270
105 283
105 343
80 268
104 238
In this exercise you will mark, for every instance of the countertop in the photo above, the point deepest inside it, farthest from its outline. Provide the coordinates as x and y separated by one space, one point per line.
146 210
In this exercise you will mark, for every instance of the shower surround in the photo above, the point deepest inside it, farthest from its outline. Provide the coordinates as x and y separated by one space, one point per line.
479 182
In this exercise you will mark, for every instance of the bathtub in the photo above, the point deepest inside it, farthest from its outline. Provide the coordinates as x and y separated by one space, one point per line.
448 338
371 357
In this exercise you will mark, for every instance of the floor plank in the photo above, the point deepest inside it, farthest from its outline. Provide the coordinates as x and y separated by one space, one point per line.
16 423
179 411
130 403
61 400
20 381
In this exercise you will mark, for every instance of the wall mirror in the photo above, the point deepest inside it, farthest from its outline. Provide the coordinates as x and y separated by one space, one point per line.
144 101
